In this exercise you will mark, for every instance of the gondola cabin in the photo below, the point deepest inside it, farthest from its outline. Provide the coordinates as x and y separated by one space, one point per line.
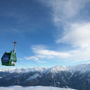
9 58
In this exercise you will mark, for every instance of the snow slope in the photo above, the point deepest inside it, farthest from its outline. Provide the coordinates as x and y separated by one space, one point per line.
33 88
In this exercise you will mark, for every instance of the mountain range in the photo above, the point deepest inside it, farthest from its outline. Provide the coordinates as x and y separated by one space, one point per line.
76 77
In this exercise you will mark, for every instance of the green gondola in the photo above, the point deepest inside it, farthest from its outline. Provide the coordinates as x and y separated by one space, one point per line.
9 58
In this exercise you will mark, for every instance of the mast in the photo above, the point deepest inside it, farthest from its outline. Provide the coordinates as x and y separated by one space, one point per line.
14 46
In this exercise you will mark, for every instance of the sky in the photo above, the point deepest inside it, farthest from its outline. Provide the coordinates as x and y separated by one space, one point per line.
47 32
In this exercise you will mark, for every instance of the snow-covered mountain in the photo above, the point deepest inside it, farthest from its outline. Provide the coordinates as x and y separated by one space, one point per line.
22 70
82 68
77 77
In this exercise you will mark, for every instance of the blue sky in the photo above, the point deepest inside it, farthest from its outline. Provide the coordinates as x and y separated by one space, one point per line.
47 32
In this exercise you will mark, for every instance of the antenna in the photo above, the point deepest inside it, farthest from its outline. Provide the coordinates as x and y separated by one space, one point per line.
14 46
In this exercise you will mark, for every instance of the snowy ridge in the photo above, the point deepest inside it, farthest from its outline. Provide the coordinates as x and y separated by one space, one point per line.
43 70
57 69
23 70
82 68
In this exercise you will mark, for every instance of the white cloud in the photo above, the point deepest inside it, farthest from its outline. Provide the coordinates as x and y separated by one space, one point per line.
74 33
80 55
31 58
41 53
78 35
64 10
76 55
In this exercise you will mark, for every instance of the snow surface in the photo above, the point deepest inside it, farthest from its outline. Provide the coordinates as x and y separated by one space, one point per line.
33 88
33 77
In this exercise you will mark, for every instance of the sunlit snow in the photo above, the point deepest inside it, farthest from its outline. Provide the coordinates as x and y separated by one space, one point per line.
33 88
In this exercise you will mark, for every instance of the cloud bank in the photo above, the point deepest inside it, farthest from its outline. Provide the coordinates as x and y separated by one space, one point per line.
73 30
70 15
78 35
41 52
